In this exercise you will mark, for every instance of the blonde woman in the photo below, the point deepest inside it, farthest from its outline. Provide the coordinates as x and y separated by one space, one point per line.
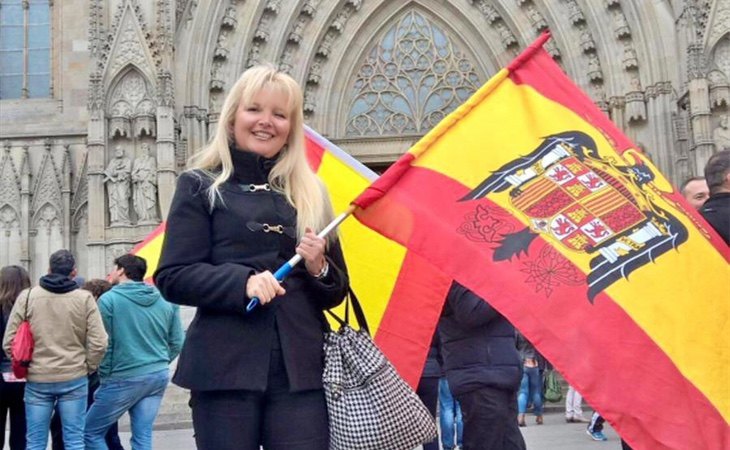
246 204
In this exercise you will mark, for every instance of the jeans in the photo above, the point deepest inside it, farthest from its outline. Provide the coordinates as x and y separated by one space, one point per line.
449 415
40 399
141 395
530 387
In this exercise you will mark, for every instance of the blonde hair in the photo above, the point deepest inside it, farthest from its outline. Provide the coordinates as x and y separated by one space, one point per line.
291 175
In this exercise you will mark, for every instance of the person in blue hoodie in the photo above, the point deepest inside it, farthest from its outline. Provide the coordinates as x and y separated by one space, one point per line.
145 335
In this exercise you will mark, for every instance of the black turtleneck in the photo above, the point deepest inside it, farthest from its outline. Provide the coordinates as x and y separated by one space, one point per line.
249 167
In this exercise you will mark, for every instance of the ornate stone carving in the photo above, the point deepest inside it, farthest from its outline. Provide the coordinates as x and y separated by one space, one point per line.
720 21
488 11
552 48
315 71
229 18
117 177
310 7
309 103
508 39
165 89
538 22
719 89
696 61
273 5
721 134
635 102
254 55
144 182
356 4
587 45
325 47
131 100
47 189
128 49
221 46
613 3
216 77
620 25
630 60
263 30
340 20
296 33
9 181
574 13
286 63
594 68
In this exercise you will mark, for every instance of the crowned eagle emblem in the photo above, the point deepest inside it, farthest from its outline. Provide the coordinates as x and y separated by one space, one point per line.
585 202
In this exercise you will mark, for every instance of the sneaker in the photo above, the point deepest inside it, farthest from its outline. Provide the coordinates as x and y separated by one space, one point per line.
597 435
569 419
581 419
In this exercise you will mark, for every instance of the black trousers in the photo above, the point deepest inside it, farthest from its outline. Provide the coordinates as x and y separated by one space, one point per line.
490 420
277 419
428 391
11 401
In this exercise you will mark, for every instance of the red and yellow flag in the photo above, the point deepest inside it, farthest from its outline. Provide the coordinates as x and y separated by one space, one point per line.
397 289
529 196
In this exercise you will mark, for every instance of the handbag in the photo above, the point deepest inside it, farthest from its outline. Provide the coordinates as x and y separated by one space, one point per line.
370 406
21 351
552 388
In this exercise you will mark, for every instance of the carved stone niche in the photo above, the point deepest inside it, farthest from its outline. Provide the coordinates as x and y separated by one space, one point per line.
719 89
119 123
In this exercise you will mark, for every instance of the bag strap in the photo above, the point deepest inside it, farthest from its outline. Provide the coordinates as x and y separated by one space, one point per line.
351 299
27 300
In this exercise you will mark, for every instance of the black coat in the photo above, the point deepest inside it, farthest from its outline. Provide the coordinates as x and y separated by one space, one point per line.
477 344
716 210
206 261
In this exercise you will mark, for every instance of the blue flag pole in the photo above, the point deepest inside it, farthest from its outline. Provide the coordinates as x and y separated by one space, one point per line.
287 267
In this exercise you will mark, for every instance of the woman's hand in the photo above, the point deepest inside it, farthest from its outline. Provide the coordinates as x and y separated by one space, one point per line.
264 287
311 249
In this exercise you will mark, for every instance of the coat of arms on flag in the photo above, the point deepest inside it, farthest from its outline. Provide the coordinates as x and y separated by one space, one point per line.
585 202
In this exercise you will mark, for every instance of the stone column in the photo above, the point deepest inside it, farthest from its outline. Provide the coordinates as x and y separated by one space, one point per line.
166 173
699 108
96 145
66 198
25 210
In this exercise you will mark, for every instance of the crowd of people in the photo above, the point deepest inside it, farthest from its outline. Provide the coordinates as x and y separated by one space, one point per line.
101 349
246 204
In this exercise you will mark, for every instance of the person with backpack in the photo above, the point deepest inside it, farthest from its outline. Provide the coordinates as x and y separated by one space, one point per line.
69 341
13 279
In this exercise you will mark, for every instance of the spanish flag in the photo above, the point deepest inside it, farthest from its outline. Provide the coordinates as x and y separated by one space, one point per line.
529 196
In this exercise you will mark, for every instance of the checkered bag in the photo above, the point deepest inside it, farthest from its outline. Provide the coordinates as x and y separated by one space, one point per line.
370 406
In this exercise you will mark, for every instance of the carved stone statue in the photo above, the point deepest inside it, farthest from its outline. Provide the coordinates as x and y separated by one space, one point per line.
144 179
721 134
117 178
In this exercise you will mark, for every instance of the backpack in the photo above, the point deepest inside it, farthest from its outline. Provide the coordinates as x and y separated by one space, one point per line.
21 351
552 389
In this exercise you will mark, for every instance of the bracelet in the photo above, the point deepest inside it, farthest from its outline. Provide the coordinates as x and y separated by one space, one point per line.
325 270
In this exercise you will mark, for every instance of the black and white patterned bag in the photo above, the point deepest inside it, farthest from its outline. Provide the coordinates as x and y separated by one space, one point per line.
370 406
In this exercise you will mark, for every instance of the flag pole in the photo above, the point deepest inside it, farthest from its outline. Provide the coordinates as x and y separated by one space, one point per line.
287 267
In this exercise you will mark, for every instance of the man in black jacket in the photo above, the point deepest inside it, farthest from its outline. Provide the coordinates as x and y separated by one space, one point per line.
716 209
483 370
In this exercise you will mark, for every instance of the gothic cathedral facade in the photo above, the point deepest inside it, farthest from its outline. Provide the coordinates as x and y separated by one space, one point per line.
102 101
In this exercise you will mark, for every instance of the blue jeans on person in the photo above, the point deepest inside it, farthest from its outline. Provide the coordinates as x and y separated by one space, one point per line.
141 395
530 388
41 398
449 416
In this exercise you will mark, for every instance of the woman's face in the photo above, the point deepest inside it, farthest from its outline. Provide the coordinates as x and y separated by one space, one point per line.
262 127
